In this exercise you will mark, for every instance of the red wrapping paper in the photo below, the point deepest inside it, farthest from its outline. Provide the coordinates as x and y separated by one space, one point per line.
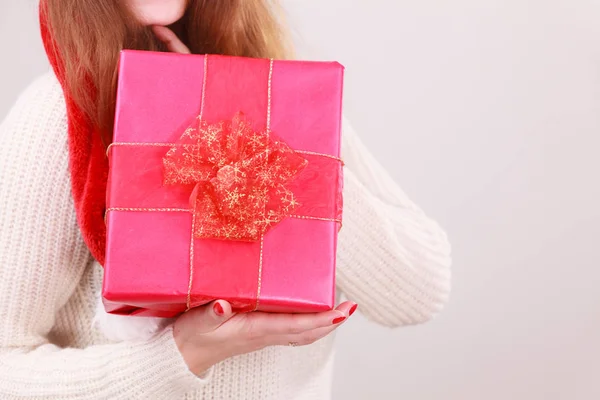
148 264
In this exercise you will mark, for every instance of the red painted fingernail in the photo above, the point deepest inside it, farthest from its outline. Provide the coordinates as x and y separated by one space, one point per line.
218 308
338 320
354 307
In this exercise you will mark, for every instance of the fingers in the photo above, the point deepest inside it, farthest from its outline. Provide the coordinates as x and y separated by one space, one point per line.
347 307
264 324
211 316
305 338
313 335
170 39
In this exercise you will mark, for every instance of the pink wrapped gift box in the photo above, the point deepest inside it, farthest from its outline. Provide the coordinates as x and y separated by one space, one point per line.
155 266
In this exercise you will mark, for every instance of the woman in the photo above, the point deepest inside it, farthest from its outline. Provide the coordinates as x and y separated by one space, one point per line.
393 260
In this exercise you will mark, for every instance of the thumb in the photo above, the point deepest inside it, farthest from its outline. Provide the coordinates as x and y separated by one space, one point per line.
170 39
211 316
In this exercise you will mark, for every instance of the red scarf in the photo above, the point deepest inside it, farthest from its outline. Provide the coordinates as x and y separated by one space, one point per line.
88 164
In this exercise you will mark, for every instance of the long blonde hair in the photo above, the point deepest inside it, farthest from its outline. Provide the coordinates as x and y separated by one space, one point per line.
88 35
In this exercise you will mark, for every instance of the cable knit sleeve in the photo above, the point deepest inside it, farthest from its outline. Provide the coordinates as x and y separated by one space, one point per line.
393 260
42 259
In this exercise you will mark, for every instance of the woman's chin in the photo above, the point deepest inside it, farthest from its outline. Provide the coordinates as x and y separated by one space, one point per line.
161 21
154 12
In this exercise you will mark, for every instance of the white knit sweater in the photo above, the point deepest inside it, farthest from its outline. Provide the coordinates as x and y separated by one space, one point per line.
393 261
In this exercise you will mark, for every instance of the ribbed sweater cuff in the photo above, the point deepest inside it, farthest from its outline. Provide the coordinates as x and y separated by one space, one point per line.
162 367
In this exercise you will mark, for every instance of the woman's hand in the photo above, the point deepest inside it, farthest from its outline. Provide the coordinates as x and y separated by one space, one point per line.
170 39
210 334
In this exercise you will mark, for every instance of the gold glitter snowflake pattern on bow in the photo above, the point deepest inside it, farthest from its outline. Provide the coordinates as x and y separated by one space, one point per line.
238 177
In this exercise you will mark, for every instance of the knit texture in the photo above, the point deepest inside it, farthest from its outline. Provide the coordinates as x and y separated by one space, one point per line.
393 261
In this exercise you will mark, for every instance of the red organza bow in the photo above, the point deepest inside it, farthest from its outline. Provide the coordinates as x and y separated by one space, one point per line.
238 177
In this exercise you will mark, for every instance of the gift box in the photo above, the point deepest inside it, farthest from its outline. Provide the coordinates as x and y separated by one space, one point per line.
225 182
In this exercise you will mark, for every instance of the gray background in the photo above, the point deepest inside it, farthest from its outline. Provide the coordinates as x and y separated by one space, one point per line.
488 114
